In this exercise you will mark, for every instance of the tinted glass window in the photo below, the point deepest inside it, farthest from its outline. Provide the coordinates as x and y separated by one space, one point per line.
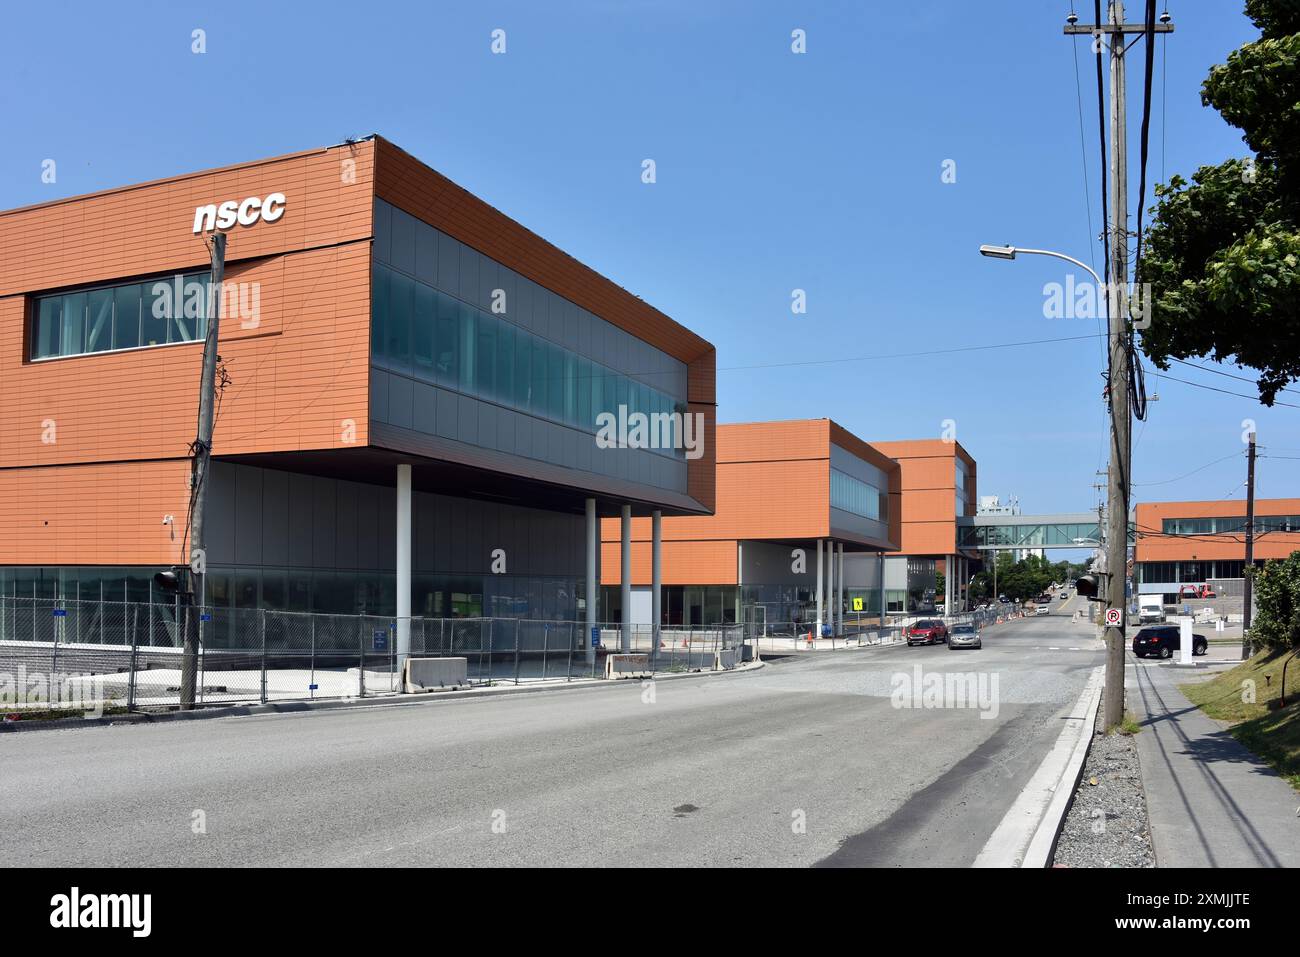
126 317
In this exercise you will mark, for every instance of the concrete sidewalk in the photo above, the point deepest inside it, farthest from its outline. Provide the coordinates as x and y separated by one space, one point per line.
1212 802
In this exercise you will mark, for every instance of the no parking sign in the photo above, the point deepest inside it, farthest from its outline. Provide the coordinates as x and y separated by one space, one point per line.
1112 616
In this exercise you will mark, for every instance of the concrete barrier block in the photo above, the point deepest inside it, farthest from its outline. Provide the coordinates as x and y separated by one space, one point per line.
627 666
433 674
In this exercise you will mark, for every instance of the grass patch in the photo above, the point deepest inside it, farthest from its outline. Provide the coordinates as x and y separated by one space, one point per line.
1261 724
1129 725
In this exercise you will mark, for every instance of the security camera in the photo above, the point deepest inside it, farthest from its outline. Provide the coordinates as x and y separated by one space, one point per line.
168 520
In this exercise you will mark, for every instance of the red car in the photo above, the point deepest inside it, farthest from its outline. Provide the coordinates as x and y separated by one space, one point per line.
927 631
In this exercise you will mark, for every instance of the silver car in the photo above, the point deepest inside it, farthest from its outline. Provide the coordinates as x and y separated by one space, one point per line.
964 636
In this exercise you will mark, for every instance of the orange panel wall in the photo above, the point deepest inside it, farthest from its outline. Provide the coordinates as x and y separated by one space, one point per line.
93 449
773 483
147 228
295 377
684 563
93 514
929 512
1153 546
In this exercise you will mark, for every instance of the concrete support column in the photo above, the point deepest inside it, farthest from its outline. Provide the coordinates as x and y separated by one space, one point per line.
403 564
839 586
821 582
656 576
625 582
883 603
948 569
830 585
593 553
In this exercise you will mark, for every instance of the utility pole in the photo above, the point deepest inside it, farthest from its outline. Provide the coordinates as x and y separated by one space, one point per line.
1100 617
1250 544
199 467
1113 34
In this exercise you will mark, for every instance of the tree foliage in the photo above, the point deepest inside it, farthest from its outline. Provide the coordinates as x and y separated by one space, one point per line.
1276 625
1222 253
1024 579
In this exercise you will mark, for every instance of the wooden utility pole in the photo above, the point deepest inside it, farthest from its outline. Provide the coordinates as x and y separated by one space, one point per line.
1250 545
1119 481
200 464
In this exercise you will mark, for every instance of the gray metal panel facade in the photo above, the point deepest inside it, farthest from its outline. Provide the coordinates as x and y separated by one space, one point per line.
263 517
397 398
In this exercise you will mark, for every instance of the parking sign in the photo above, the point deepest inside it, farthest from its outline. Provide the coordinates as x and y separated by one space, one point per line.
1112 616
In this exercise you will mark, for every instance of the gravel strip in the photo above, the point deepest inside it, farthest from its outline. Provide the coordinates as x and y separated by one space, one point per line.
1107 823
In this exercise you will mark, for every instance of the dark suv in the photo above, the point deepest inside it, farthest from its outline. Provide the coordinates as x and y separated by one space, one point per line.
1163 641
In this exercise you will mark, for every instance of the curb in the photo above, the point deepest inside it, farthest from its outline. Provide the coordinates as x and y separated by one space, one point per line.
335 704
1026 835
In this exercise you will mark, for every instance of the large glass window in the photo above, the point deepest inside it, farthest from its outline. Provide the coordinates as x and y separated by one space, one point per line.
419 329
155 312
1229 525
854 495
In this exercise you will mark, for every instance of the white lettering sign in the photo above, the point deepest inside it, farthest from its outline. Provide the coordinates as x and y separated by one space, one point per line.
245 213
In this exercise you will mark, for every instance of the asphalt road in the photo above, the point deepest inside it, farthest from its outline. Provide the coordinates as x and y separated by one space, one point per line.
715 771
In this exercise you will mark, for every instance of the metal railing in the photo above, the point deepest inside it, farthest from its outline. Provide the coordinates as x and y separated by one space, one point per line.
130 655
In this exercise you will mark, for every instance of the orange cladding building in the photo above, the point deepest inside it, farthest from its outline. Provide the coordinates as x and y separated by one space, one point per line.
1190 543
386 338
795 499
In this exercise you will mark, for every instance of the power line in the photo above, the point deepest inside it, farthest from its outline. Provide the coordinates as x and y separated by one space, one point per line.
1201 468
1239 378
1201 385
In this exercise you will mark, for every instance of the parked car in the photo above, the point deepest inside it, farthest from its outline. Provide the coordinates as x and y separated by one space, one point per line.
964 636
1163 641
1196 591
927 631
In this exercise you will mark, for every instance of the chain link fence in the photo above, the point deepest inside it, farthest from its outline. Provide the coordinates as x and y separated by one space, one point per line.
58 653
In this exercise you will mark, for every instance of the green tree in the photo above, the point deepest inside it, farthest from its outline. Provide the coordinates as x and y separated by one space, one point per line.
1276 625
1222 253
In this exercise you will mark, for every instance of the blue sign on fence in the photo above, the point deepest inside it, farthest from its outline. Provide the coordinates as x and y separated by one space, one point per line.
205 617
381 641
595 637
60 613
313 687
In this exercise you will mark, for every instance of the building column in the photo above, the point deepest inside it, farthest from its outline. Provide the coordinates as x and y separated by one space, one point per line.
817 633
656 577
830 586
839 586
948 567
883 603
403 564
593 552
625 582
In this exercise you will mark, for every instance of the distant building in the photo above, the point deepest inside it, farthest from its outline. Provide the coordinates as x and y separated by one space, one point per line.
993 505
1191 543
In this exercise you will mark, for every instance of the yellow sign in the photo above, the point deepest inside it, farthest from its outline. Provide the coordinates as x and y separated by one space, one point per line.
857 604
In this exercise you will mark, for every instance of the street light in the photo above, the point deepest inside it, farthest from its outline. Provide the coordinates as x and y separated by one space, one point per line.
1010 252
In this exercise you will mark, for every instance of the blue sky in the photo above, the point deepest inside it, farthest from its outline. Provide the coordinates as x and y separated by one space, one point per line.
775 171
